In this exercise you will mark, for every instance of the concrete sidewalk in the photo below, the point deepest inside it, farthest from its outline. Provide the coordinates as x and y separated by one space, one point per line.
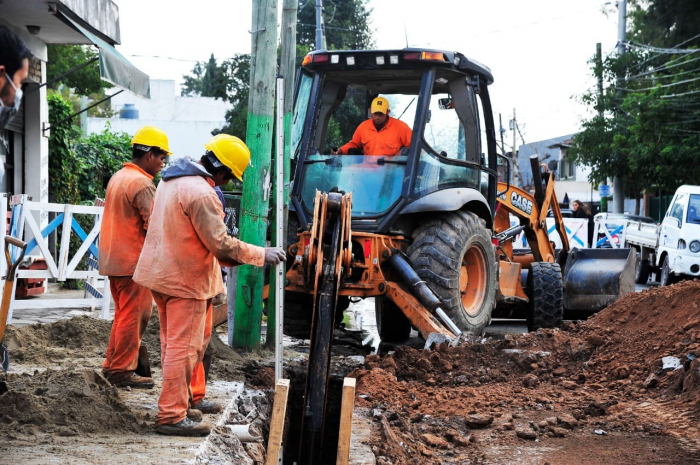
28 316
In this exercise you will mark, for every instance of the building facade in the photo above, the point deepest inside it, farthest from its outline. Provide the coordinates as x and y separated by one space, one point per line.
188 121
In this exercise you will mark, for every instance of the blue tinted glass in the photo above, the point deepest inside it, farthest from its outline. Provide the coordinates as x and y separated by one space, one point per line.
375 182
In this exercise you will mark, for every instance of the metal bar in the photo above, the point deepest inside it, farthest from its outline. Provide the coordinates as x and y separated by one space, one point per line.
279 223
63 75
81 111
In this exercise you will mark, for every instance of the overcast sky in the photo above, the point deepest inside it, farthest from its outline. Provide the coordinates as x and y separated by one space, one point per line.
537 49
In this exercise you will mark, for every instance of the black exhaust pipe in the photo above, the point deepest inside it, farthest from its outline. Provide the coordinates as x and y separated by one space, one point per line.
420 290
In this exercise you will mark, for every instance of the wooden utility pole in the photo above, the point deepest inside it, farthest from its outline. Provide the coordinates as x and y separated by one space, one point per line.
289 40
256 182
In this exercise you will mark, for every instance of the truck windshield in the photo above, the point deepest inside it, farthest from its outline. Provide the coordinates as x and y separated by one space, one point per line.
375 181
694 209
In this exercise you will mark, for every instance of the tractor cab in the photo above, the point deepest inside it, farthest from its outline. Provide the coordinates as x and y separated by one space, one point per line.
450 161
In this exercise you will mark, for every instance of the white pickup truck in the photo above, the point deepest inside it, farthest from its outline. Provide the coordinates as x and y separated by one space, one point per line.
670 249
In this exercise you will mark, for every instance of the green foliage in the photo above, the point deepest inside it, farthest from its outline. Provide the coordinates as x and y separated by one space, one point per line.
207 80
346 25
63 58
64 166
101 155
649 130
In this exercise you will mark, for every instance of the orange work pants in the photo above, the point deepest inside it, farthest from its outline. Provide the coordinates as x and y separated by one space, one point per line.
185 330
133 304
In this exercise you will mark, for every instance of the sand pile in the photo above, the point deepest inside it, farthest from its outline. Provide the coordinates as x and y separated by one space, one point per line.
66 403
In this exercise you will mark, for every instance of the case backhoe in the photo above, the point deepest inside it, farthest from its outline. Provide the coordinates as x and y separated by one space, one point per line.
425 232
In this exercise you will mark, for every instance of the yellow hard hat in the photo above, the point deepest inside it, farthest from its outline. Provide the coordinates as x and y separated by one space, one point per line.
151 136
231 152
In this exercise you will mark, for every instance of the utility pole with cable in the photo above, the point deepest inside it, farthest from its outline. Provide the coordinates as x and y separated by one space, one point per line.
319 25
256 185
289 40
618 190
514 156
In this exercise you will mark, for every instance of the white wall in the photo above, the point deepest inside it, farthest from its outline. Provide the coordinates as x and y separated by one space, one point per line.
187 138
188 121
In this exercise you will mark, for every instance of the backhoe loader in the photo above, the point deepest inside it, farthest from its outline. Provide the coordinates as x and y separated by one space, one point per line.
425 232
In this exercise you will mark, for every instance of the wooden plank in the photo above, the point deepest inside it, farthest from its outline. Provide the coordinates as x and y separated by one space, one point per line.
279 411
346 409
60 207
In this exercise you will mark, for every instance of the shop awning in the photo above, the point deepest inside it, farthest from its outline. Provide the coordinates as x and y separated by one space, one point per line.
114 67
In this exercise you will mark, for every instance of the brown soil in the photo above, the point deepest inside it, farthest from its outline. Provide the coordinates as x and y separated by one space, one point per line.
476 402
44 344
66 403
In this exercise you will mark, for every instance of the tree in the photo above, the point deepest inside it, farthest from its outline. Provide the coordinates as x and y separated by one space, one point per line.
63 58
649 130
347 27
208 80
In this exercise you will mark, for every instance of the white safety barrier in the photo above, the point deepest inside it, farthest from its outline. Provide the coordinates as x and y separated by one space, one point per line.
576 231
63 267
613 227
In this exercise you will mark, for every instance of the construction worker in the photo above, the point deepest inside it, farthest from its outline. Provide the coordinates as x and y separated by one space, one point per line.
180 262
127 211
14 69
379 135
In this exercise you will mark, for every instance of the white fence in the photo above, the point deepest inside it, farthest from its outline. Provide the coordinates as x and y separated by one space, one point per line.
23 224
576 230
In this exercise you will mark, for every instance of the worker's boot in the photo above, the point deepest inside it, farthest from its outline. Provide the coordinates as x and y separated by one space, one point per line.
136 381
207 406
194 415
184 428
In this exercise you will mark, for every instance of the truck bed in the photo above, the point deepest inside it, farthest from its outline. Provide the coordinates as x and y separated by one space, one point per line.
641 234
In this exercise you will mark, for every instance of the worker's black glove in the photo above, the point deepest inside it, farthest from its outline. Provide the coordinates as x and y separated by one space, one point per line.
274 255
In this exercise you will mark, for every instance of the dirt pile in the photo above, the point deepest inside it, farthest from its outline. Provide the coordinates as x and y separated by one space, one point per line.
604 374
66 403
39 344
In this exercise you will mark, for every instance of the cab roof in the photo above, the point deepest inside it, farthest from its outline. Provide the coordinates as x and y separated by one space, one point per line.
395 59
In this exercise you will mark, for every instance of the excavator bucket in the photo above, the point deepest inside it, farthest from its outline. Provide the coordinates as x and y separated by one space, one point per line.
595 278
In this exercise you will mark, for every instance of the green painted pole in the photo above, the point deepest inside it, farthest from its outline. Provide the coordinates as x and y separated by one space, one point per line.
256 181
289 39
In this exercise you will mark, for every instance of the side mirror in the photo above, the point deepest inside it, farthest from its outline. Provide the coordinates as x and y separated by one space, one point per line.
671 221
446 104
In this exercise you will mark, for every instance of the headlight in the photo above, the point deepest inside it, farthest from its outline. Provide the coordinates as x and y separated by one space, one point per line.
695 246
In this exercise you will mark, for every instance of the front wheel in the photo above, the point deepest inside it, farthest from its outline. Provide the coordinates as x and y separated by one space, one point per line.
453 253
546 291
667 278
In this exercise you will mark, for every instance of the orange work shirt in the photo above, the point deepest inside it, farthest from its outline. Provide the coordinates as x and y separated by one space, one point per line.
127 209
387 141
187 241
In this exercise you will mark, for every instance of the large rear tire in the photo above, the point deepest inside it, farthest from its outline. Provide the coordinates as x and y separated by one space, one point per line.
546 291
453 254
392 324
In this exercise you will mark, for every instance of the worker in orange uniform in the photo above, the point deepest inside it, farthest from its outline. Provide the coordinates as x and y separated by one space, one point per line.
379 135
127 210
185 246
